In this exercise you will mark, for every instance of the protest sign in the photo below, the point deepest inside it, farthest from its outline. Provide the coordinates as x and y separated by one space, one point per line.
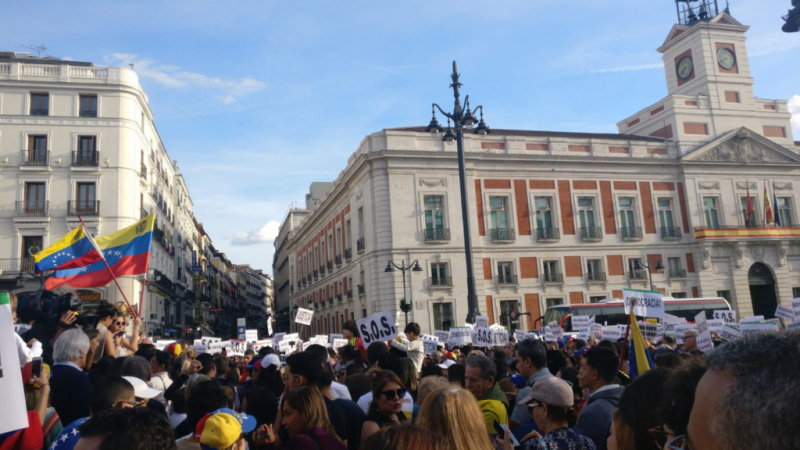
727 316
237 347
612 334
256 346
306 345
482 337
749 329
206 340
704 343
339 343
752 319
583 334
335 336
277 338
443 336
269 327
286 346
793 325
499 338
519 335
377 327
784 312
680 331
729 331
321 340
200 349
700 321
460 336
796 309
218 346
429 343
715 324
162 344
251 335
13 414
290 337
649 331
645 303
304 316
580 322
481 322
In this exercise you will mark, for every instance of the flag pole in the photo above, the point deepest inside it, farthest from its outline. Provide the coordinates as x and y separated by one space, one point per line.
625 344
110 272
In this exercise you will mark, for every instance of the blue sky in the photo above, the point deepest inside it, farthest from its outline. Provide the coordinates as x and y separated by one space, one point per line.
257 99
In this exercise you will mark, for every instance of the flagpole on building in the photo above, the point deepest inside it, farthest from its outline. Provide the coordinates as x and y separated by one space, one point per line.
109 269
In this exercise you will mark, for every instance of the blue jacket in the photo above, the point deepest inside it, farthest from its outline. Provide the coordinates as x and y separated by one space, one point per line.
69 392
594 420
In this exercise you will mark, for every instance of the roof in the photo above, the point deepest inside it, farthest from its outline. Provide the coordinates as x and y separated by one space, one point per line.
552 134
26 57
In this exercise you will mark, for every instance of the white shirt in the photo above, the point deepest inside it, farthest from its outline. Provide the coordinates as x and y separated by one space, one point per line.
415 350
340 391
161 382
27 354
408 403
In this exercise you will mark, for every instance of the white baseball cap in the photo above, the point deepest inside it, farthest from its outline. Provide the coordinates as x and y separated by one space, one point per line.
271 360
140 388
446 364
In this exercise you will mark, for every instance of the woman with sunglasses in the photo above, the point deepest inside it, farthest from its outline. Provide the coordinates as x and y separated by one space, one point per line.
386 408
551 401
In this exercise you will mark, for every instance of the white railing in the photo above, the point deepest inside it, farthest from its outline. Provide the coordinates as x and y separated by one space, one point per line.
40 70
5 69
88 72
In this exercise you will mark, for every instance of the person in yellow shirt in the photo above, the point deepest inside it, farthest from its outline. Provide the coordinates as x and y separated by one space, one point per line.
480 381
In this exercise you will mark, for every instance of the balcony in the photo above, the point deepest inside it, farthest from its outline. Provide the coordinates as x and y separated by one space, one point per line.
339 298
350 294
679 274
348 254
316 274
360 245
548 234
637 274
440 282
596 277
552 278
361 290
739 232
502 234
16 265
299 283
437 234
83 208
338 260
671 233
507 280
322 269
85 159
143 172
330 266
631 233
88 113
305 282
40 111
33 208
35 158
309 278
591 234
330 301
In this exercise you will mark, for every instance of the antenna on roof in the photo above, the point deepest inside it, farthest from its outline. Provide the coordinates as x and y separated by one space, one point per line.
38 49
131 64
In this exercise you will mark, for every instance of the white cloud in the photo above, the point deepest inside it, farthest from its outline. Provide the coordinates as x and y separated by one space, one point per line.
175 78
774 42
794 108
263 235
629 68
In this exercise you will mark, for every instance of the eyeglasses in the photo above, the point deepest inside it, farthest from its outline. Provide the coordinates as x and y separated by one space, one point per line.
391 395
677 443
659 435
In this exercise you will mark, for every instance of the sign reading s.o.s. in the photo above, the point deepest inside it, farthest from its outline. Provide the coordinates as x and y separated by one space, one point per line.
377 327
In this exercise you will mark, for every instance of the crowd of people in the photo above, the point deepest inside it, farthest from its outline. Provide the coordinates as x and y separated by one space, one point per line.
530 394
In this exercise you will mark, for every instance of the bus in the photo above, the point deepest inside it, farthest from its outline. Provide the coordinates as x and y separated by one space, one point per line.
612 311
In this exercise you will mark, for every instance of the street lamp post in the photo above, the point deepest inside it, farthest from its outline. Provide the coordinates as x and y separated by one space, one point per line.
405 306
649 268
792 19
462 117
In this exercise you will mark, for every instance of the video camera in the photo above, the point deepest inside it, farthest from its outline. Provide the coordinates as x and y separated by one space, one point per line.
47 306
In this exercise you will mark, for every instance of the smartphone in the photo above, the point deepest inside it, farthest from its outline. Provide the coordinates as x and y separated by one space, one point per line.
36 368
501 429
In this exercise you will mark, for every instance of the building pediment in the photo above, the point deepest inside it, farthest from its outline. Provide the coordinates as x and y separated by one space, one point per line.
742 146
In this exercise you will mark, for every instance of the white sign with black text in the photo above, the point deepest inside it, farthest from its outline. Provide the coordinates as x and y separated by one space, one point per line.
377 327
304 316
727 316
645 303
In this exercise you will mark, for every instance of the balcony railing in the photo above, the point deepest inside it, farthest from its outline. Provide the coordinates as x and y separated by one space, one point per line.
330 301
670 233
678 274
552 278
33 208
361 289
35 158
441 282
16 265
360 245
595 276
637 274
437 234
40 111
316 274
88 113
299 283
350 294
339 298
338 260
330 266
631 233
591 234
143 172
86 159
738 232
547 234
348 254
507 279
83 208
502 234
322 269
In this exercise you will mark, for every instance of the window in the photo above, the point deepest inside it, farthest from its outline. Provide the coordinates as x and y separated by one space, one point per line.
37 151
785 212
85 198
363 313
497 212
325 324
675 269
338 232
505 273
442 316
330 249
554 302
710 212
665 217
30 246
727 294
597 299
88 106
360 223
439 275
679 295
40 104
594 270
586 212
506 307
347 233
626 213
352 316
35 199
544 214
434 219
750 218
550 271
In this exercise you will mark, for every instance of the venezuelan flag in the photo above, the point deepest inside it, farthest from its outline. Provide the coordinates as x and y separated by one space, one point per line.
75 249
639 357
127 252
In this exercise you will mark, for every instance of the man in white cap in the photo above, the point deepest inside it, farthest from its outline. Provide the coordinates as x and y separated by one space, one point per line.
141 390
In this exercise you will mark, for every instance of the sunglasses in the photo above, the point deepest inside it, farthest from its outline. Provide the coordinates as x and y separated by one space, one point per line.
119 323
391 395
677 443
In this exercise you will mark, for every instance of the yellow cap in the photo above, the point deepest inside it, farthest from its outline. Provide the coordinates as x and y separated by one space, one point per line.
221 430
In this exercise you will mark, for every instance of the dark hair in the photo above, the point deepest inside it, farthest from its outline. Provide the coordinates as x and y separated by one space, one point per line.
163 359
206 397
179 401
668 360
560 414
379 382
668 339
146 351
262 404
501 362
306 365
534 350
222 364
349 353
375 350
106 310
130 429
318 351
249 352
264 351
466 350
679 395
271 379
609 345
555 360
457 374
580 343
571 374
412 327
351 326
101 369
431 370
116 366
604 360
207 360
326 375
636 406
136 366
402 437
108 392
389 361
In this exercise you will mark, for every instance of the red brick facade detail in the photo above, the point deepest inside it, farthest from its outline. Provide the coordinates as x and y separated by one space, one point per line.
575 298
682 201
652 261
690 262
579 148
479 204
490 309
662 186
584 185
528 267
656 111
616 293
615 265
608 207
523 212
664 133
647 208
625 185
538 147
633 122
497 184
656 151
532 306
542 184
487 268
623 150
572 266
493 145
565 202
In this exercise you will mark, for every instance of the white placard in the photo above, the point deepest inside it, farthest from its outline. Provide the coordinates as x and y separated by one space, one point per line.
218 346
729 316
256 346
700 321
793 325
304 316
443 336
377 327
277 338
13 414
784 312
241 322
251 335
200 349
499 338
162 344
290 337
796 309
482 337
321 340
207 340
612 334
519 335
729 332
237 347
269 327
752 319
704 343
645 303
680 331
306 345
715 324
583 334
339 343
429 343
460 336
287 346
754 328
649 331
481 321
580 322
335 336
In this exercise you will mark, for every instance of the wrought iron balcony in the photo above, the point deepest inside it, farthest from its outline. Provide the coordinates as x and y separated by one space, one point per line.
671 233
348 254
502 234
437 234
40 111
16 265
338 260
548 234
678 274
35 158
350 294
33 208
88 113
299 283
591 234
304 282
322 269
631 233
330 266
83 208
552 278
316 274
361 289
440 282
330 301
596 276
339 298
360 245
637 274
85 159
507 279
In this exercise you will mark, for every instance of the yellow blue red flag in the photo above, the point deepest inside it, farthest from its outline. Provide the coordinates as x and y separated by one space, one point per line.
640 359
74 250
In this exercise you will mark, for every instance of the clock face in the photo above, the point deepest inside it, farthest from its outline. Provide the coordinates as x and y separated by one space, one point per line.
685 67
726 58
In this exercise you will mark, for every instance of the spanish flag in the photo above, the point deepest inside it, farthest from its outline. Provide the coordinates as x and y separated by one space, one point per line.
127 252
770 218
639 357
75 249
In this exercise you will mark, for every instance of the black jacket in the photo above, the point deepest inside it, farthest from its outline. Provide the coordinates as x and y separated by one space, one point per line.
69 392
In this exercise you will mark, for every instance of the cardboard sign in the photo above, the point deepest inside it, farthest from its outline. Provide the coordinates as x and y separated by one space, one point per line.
519 335
251 335
218 346
335 336
483 337
339 343
715 325
481 322
460 336
645 303
729 332
580 322
429 343
13 414
704 343
752 319
443 336
755 328
499 338
612 334
726 315
304 316
680 331
784 312
200 349
377 327
700 321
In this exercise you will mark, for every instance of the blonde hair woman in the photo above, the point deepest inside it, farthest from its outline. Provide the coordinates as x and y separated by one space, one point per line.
306 419
453 413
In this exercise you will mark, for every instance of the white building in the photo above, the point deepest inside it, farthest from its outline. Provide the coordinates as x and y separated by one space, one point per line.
563 217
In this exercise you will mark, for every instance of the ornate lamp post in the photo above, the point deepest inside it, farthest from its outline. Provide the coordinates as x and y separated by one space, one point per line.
405 306
792 19
461 117
659 267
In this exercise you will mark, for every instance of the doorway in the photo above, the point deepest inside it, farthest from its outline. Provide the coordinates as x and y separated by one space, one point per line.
762 291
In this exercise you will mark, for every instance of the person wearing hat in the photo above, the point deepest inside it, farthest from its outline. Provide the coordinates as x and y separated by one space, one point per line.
550 401
224 429
37 397
445 365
